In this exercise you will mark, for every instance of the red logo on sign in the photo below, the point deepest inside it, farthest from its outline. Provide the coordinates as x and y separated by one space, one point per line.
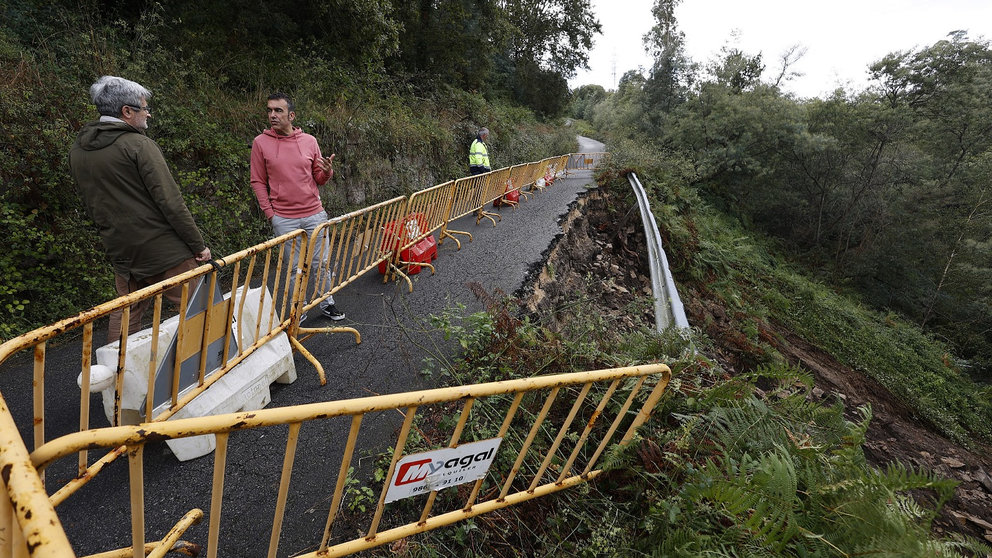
413 471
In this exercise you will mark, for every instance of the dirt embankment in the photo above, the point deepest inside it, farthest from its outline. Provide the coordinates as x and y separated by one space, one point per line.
604 260
894 435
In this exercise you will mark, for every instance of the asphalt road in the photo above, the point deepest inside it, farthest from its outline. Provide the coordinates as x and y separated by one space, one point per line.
396 339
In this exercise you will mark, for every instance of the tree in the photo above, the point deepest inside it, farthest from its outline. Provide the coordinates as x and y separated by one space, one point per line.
545 42
454 41
948 89
554 34
585 99
789 58
737 70
672 73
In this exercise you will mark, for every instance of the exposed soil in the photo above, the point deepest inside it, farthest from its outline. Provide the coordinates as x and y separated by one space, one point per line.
607 261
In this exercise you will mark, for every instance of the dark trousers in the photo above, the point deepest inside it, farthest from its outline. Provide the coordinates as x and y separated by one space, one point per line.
474 170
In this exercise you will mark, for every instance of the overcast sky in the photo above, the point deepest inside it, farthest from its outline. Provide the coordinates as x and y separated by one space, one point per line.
841 37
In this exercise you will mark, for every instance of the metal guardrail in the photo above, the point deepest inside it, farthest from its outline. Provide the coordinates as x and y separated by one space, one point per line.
668 308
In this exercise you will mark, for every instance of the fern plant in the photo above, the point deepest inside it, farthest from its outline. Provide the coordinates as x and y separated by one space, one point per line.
787 477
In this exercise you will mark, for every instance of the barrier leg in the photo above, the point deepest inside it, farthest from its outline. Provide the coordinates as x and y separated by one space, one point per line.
491 216
306 332
171 542
297 333
395 269
316 364
450 233
423 264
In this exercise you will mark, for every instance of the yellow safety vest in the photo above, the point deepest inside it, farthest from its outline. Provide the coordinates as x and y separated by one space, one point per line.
478 155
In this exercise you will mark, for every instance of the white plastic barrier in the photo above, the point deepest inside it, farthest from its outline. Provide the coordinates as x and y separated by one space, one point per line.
244 387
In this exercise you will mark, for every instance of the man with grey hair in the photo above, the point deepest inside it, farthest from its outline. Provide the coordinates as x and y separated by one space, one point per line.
478 154
125 184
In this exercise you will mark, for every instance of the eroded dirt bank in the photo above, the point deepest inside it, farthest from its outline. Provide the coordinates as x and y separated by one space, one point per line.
605 260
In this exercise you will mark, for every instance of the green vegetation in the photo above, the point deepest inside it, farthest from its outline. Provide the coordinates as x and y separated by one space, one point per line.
718 471
714 257
879 198
396 90
744 464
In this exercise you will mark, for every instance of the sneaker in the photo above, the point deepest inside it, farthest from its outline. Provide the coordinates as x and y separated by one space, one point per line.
331 311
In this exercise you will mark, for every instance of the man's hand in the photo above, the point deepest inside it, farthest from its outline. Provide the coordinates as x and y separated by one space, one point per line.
203 256
326 163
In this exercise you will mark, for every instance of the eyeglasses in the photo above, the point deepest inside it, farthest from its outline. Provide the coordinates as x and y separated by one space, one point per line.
136 108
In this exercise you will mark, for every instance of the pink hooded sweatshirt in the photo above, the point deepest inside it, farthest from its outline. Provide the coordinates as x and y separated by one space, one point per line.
285 174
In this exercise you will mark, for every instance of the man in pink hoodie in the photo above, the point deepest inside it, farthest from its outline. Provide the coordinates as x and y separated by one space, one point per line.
286 170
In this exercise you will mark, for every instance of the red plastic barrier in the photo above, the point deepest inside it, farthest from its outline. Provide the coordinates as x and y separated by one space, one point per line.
400 233
511 196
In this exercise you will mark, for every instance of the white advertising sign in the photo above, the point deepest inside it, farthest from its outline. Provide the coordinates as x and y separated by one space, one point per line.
422 473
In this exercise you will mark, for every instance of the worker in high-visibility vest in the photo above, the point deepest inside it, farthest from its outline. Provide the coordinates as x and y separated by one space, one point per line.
478 154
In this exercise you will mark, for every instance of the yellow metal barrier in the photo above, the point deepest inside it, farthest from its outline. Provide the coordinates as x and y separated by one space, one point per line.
426 212
340 251
435 205
27 518
344 248
547 171
519 177
545 433
584 161
186 354
557 166
495 186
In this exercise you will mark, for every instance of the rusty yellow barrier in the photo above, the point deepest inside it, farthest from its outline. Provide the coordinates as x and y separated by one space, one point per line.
195 335
547 433
519 177
556 167
435 204
348 246
495 186
27 517
547 171
471 194
426 212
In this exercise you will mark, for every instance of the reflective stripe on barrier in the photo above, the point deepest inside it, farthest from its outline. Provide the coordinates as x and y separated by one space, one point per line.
569 420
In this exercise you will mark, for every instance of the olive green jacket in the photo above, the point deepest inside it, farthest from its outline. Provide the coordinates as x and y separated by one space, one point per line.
130 194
